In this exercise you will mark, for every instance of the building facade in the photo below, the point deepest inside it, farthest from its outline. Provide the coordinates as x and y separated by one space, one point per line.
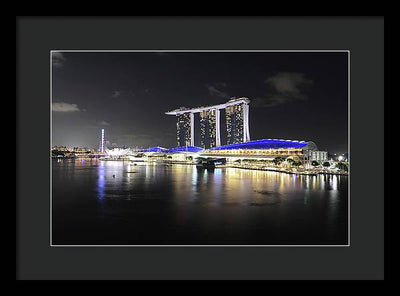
318 156
102 146
183 129
208 129
237 121
267 149
234 124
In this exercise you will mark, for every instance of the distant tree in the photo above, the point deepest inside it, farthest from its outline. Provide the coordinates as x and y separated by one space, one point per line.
278 160
296 163
342 166
189 158
290 161
315 163
57 152
326 164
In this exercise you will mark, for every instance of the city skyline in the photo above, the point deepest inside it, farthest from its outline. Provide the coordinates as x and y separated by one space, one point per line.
302 96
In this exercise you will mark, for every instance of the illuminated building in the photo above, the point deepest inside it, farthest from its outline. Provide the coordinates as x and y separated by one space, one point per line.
208 128
60 148
184 149
101 145
117 152
185 125
183 129
237 123
238 144
183 153
318 155
154 149
263 149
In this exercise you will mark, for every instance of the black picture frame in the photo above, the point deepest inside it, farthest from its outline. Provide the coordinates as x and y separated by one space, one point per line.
363 260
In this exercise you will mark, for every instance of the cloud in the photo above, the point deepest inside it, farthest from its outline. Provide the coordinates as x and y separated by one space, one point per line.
116 94
286 87
288 83
122 93
98 124
103 123
65 107
217 89
58 59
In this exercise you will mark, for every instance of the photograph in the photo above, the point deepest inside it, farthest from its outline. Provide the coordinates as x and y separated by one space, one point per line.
229 148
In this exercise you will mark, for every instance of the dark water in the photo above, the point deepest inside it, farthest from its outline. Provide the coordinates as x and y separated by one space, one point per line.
178 204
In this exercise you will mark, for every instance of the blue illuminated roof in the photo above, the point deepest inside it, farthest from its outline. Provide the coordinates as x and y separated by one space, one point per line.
154 149
264 144
184 149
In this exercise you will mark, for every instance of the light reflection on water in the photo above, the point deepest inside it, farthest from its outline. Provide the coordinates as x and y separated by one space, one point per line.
188 183
226 204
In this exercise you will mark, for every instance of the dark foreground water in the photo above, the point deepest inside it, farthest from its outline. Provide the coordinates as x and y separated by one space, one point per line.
179 204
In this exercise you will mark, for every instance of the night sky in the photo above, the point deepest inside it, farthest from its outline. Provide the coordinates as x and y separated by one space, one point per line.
294 96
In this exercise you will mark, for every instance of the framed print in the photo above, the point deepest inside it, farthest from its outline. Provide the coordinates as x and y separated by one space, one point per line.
213 156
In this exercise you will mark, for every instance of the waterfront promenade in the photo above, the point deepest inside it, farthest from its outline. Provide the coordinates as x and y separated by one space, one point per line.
258 167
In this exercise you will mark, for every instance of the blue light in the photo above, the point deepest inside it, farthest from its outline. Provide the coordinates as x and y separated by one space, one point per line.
154 149
184 149
100 181
264 144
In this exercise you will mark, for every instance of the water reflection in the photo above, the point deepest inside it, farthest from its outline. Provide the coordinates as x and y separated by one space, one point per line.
100 181
189 183
174 203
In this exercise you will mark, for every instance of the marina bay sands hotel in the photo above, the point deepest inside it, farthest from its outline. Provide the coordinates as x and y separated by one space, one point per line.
237 123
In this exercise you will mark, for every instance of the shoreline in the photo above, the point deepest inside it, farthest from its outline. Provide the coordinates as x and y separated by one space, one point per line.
278 170
306 173
288 172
